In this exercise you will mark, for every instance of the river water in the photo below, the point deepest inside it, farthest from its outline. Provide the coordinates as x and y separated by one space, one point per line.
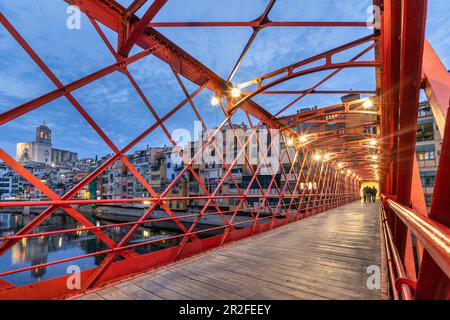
37 250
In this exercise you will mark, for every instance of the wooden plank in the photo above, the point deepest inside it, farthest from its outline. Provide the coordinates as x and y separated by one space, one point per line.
290 281
194 284
91 296
245 288
321 276
255 284
112 293
161 291
137 292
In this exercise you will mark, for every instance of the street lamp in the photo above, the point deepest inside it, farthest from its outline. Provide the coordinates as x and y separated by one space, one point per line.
367 104
235 92
214 101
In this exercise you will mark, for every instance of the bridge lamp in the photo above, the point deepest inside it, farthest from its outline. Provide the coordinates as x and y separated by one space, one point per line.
373 142
367 104
317 157
302 139
342 171
214 101
235 92
340 165
375 157
349 172
326 157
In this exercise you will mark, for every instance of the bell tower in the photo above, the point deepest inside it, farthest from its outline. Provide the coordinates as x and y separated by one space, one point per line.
43 134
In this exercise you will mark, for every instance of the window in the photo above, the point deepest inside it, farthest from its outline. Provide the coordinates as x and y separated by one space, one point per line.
371 130
426 152
425 130
428 178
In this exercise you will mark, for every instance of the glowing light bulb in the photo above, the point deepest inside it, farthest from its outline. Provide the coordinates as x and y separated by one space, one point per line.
317 157
327 156
290 142
373 142
367 104
302 139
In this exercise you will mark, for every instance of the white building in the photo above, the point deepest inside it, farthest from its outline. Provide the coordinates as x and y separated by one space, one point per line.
9 182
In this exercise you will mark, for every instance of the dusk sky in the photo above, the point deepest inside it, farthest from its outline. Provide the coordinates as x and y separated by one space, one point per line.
112 101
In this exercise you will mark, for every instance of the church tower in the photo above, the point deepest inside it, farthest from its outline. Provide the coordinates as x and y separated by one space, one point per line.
43 134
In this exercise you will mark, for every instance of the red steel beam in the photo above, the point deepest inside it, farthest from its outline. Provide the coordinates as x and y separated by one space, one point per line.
355 105
13 113
134 7
140 26
257 24
111 14
433 282
339 92
390 55
437 85
261 20
327 78
413 36
327 55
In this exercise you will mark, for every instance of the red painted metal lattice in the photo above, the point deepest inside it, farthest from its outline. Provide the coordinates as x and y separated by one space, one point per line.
302 186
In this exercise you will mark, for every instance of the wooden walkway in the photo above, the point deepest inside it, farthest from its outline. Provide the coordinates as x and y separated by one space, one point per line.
322 257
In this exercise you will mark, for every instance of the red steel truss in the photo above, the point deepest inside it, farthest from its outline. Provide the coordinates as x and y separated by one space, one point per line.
318 169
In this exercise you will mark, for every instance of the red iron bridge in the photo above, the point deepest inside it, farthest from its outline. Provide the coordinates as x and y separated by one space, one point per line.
304 232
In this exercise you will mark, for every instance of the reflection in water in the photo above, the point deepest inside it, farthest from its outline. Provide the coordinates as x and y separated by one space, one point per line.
33 251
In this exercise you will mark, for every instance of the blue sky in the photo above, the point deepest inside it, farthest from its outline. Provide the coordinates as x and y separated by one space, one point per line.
112 102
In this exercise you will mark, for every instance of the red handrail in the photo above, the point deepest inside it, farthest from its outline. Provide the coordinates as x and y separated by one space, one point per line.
433 236
258 219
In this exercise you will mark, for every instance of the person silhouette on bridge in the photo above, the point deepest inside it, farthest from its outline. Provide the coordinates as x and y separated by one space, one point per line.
373 193
366 194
